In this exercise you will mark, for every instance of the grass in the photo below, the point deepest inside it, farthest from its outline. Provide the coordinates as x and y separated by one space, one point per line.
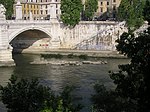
57 56
83 56
70 56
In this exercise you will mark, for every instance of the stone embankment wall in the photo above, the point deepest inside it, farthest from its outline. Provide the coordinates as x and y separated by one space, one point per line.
98 35
86 32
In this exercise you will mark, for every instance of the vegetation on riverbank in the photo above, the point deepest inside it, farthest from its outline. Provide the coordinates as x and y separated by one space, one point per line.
80 55
60 56
57 56
30 96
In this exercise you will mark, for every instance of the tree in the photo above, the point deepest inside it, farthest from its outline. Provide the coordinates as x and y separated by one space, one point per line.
9 7
132 92
29 96
25 96
133 80
105 100
131 11
146 12
90 8
70 12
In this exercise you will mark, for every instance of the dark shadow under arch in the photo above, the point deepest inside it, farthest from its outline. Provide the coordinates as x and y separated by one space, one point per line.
30 40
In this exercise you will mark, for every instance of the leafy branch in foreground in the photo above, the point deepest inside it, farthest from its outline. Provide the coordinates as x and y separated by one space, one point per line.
29 96
132 92
146 12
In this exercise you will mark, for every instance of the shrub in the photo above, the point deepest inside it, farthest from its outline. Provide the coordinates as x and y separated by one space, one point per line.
57 56
29 96
70 55
83 56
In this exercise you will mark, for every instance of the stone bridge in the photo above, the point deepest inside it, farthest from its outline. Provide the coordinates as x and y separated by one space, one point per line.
30 35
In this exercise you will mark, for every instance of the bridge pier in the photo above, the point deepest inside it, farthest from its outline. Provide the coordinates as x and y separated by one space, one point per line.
5 50
6 58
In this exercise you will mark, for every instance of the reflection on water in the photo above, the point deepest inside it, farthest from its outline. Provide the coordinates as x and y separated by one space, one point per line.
82 77
5 74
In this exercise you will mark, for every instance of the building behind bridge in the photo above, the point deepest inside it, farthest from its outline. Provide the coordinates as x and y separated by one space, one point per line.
42 9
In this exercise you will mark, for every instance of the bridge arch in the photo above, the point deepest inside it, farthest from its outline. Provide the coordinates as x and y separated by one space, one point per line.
30 38
17 32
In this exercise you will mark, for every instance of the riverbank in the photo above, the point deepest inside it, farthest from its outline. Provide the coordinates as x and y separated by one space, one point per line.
90 53
68 63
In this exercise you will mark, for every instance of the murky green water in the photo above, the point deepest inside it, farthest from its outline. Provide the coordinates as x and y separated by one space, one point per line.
82 77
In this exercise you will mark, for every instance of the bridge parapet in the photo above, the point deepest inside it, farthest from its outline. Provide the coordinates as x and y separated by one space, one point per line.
99 22
28 21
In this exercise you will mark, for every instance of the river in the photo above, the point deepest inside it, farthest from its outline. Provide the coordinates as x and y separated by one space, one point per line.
55 76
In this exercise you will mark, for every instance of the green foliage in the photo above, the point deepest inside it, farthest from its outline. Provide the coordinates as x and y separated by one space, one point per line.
24 96
29 96
108 101
9 7
133 79
146 12
57 56
70 55
67 101
83 56
70 12
63 103
90 8
132 92
131 11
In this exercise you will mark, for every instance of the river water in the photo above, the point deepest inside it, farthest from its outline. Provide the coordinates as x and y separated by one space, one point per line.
55 76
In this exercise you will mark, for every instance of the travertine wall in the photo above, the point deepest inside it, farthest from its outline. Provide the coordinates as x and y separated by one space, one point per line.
62 36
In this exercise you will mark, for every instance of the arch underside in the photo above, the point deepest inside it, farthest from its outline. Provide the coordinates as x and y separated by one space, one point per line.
30 40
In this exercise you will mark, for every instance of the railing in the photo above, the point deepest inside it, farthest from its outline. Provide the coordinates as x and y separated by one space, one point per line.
29 21
81 22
